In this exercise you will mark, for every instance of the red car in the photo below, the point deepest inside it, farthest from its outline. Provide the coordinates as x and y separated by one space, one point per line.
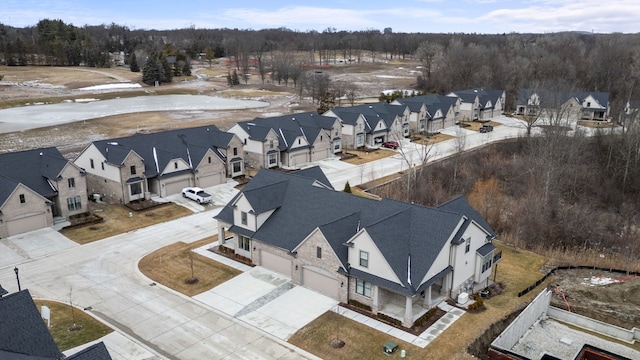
391 144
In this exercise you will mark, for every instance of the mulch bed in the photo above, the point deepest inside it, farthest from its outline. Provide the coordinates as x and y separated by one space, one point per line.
415 330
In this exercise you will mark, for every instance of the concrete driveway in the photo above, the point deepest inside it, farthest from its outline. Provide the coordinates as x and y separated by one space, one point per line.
32 245
103 277
268 301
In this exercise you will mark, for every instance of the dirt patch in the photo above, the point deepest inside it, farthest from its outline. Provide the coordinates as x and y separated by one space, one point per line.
616 303
359 157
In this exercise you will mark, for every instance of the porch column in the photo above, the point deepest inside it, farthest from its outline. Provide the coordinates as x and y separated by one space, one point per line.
427 298
408 312
376 300
220 234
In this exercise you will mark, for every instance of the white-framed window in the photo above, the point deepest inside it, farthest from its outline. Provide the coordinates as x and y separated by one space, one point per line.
364 258
243 217
360 139
487 262
270 144
244 243
273 160
467 245
74 203
136 188
71 182
363 287
133 169
237 167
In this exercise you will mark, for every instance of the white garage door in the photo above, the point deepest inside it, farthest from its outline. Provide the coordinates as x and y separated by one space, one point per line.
175 187
210 180
25 224
275 263
319 281
320 154
297 159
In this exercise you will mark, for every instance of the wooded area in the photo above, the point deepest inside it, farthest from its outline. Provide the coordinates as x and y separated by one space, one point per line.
576 61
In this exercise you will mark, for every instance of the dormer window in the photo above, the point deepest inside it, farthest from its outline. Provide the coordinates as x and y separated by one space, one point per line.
175 165
209 159
22 199
243 218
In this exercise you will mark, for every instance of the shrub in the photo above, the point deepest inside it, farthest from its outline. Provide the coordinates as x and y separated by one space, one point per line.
423 319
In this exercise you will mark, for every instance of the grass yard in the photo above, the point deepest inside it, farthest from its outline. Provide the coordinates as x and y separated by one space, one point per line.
171 266
433 139
518 269
117 221
367 156
62 319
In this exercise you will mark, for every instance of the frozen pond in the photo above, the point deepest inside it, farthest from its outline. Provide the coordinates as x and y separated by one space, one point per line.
34 116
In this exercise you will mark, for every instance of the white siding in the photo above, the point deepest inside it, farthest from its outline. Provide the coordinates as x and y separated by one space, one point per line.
441 262
377 263
242 205
171 166
464 264
110 172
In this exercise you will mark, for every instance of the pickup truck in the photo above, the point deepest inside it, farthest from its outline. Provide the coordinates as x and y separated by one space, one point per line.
196 194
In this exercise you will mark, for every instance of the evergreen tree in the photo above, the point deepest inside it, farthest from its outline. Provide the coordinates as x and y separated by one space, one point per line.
347 188
133 63
153 70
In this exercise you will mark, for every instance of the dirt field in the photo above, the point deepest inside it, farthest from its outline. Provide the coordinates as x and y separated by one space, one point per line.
616 303
56 84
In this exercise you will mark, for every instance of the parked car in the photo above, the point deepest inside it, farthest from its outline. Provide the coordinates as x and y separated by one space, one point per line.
391 144
486 128
196 194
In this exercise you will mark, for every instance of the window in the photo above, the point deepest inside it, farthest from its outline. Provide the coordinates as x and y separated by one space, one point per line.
364 258
299 141
237 167
136 188
270 144
320 137
243 218
318 252
175 165
209 159
102 165
245 141
235 151
486 262
22 199
360 140
133 169
91 163
336 132
363 287
272 159
244 243
467 245
71 182
74 203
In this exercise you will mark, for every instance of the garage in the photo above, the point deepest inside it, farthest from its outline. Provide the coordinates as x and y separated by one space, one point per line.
298 158
320 154
175 187
320 281
275 263
210 179
26 224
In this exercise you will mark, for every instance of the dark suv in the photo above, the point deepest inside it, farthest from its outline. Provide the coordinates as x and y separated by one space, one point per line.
486 128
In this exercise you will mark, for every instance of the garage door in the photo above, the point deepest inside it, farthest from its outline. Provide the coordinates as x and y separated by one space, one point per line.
25 224
320 281
210 180
275 263
175 187
320 155
297 159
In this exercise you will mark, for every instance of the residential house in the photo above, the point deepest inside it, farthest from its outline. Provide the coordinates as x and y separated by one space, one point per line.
24 336
370 125
289 141
480 104
134 167
581 105
431 113
36 187
385 254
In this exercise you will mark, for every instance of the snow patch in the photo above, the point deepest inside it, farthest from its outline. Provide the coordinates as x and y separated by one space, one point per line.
112 86
85 100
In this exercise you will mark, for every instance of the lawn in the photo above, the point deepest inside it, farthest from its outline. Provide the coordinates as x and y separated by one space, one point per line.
117 221
62 319
171 267
518 269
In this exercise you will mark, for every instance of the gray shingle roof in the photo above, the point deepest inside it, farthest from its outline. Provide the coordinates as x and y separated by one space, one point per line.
94 352
22 330
190 144
289 127
484 95
31 168
372 113
400 230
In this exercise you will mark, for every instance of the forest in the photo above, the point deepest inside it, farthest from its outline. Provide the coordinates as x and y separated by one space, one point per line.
578 61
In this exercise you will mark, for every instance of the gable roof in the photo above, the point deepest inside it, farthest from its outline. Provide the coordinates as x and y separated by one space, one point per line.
190 145
461 205
33 168
23 334
308 125
372 114
484 96
400 230
433 103
316 173
550 98
96 351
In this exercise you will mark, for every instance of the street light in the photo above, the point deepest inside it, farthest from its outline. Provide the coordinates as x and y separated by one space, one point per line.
15 269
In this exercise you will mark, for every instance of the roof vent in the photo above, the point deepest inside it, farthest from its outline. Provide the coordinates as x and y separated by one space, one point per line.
113 143
41 153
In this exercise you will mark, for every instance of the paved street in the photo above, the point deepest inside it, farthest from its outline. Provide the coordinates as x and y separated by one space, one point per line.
103 275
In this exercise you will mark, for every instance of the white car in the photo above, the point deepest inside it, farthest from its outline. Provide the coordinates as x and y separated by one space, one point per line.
196 194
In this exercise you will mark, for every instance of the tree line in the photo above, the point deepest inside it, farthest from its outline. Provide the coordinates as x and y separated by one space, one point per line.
580 61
